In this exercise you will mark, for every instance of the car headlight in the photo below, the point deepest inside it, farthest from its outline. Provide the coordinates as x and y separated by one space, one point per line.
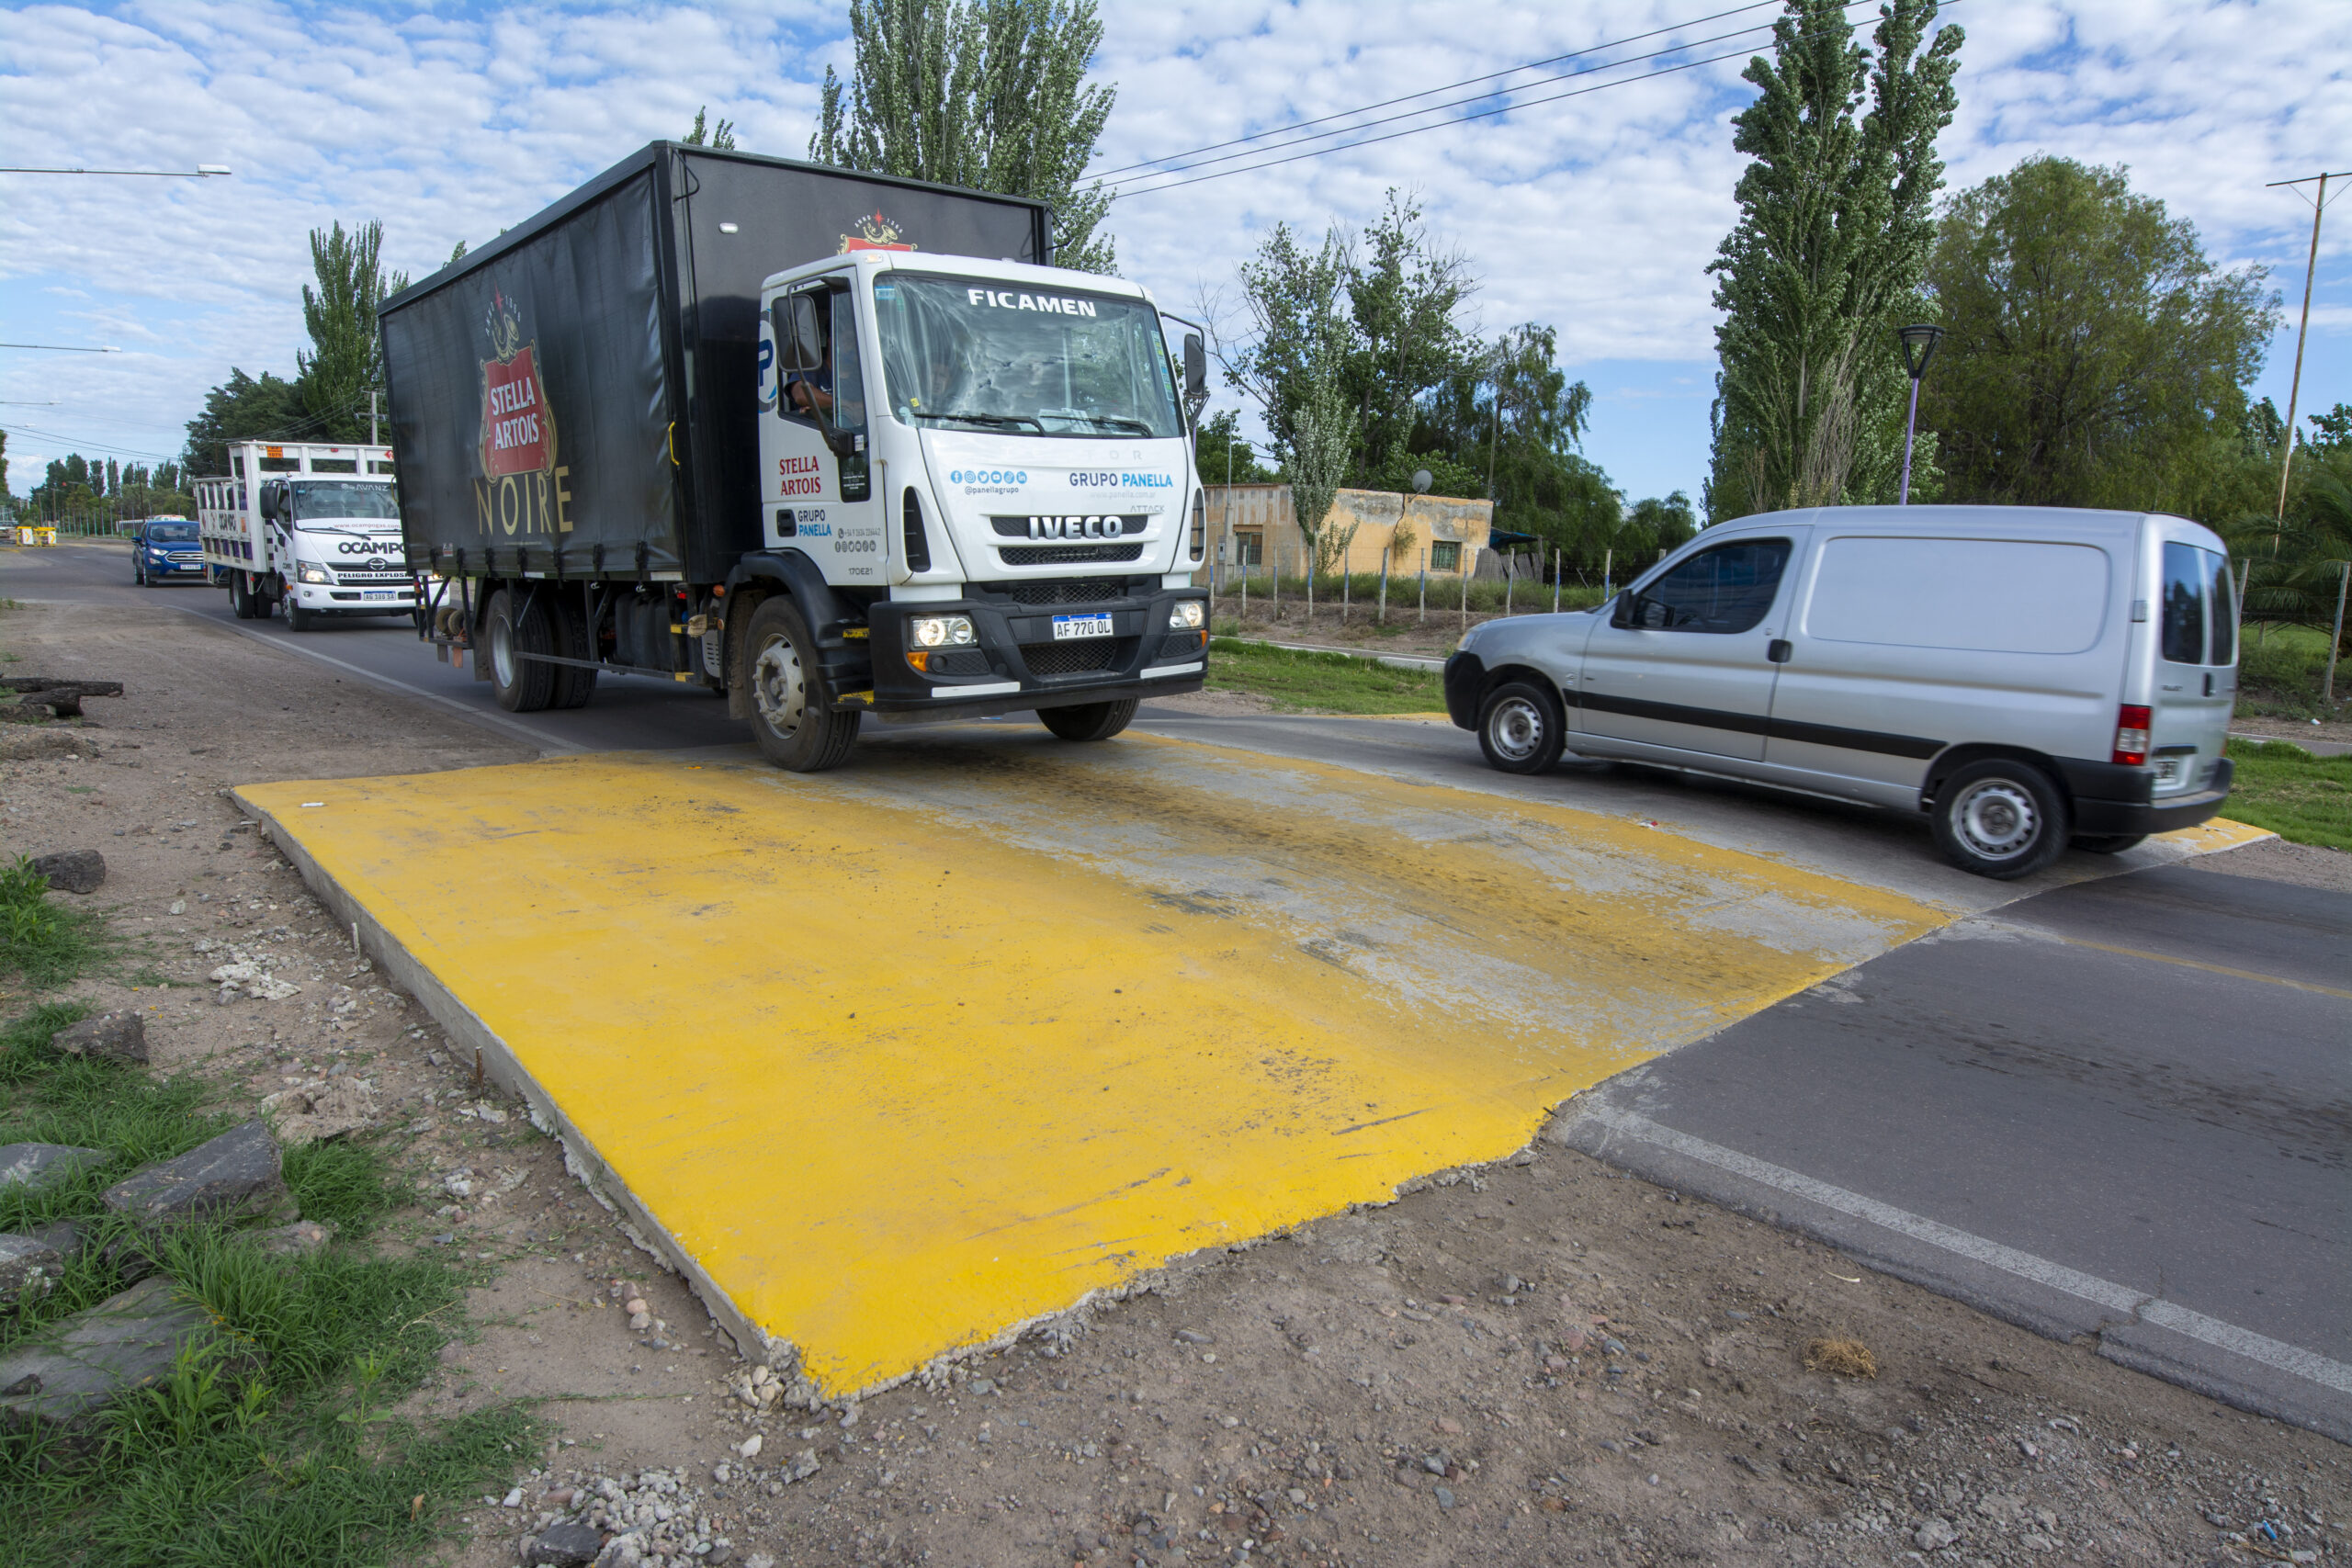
1469 638
941 631
1185 614
309 574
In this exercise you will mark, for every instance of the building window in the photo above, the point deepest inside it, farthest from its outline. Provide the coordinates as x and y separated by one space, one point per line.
1445 555
1248 549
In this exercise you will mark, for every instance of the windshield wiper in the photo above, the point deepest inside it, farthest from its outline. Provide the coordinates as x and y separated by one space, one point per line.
1138 426
972 418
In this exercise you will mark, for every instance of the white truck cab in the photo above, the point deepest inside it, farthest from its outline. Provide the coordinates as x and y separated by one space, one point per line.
314 527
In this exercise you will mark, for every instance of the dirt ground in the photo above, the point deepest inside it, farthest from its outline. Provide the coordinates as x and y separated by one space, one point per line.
1540 1362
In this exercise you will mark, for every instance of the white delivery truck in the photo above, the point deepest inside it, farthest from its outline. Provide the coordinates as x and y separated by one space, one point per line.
835 445
316 528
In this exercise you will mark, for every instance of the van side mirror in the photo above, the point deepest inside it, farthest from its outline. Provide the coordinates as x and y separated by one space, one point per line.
1622 614
1196 370
799 348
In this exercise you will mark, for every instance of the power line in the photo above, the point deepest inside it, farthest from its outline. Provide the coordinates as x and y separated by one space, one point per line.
62 347
1450 86
201 171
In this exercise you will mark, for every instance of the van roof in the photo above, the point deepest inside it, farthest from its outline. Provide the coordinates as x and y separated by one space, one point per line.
2076 522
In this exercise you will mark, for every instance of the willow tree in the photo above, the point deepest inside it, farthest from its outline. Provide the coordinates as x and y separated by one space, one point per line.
1826 257
986 94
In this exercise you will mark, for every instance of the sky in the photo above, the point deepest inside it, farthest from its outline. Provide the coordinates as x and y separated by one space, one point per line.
1596 214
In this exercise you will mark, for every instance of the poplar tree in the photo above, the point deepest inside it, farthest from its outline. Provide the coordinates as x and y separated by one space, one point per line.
344 362
1826 258
990 95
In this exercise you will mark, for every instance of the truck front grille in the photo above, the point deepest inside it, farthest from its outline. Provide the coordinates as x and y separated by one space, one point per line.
1076 658
1067 590
1063 554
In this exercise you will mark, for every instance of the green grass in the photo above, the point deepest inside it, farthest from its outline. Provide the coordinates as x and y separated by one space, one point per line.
280 1445
1488 595
1321 683
2281 672
2299 797
44 943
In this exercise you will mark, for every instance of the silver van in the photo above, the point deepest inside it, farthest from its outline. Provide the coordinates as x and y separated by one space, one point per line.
2030 677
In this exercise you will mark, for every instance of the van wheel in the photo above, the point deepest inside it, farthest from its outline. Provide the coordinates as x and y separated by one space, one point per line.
242 598
791 716
1089 721
1523 728
2000 818
518 626
2104 843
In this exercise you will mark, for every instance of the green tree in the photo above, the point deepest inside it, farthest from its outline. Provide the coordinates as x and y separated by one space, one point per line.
986 94
1404 300
1828 254
344 362
2093 356
719 139
3 467
243 409
1221 457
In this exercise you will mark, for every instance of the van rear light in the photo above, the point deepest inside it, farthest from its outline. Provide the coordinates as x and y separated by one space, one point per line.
2131 736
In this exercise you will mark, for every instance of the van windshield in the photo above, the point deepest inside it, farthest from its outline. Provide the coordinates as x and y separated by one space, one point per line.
980 354
327 502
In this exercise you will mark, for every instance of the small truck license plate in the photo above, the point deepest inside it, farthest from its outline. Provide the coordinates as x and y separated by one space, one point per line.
1068 627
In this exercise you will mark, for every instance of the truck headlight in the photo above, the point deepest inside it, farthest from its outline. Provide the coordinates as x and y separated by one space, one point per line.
1185 615
306 573
941 631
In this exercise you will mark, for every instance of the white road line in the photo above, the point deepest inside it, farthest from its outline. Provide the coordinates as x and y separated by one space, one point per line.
2273 1353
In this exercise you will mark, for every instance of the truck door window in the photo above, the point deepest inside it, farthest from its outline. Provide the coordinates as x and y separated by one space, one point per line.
2184 604
1726 589
834 394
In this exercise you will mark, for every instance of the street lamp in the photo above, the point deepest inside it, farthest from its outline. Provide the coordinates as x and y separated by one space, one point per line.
1919 346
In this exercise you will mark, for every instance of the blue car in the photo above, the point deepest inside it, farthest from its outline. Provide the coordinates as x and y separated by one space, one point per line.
163 549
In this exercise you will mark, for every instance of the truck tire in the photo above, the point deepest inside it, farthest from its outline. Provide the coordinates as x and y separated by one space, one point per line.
1521 728
297 619
516 625
2000 818
1089 721
791 708
574 638
243 602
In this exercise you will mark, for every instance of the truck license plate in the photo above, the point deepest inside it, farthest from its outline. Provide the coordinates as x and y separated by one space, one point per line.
389 593
1067 627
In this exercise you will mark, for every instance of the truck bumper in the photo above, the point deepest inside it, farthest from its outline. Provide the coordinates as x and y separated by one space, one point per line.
1016 664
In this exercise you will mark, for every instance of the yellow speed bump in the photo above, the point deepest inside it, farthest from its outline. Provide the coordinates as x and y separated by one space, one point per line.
907 1055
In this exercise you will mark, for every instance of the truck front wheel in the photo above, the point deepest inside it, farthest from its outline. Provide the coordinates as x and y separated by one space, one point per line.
791 716
518 626
1089 721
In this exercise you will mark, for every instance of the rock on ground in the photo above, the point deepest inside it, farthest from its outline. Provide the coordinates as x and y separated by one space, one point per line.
571 1544
39 1166
292 1241
324 1110
28 1267
237 1174
73 871
120 1035
64 1379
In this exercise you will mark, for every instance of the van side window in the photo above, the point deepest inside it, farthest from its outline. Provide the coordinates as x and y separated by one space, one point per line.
1726 589
2183 637
2225 619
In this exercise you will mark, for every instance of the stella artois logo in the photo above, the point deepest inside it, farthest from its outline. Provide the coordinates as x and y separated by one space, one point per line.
521 490
874 232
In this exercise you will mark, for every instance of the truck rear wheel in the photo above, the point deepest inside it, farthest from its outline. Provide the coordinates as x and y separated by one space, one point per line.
791 716
518 626
242 600
1089 721
574 638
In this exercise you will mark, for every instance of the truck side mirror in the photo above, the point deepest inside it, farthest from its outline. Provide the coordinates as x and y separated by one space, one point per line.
1196 370
799 348
269 503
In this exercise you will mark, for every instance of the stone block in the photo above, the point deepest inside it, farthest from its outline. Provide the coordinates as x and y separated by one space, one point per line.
119 1035
43 1166
236 1175
71 871
569 1545
28 1269
61 1380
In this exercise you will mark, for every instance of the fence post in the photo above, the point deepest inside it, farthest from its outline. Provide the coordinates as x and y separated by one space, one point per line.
1383 617
1510 586
1347 590
1464 568
1425 586
2335 637
1307 560
1556 581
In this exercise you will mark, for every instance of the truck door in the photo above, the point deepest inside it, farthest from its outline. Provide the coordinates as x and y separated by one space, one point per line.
1683 663
819 490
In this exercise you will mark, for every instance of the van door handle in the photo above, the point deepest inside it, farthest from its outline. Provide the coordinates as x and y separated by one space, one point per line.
1778 651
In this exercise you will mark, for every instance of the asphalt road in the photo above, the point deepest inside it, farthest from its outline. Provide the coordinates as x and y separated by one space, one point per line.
2118 1106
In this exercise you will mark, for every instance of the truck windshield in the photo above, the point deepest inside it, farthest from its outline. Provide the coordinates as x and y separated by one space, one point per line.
983 355
326 502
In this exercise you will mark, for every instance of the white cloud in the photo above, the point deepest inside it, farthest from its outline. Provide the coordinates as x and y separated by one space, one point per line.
1597 213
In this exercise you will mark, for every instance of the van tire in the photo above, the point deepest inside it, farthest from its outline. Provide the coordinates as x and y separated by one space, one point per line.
1521 728
574 638
2105 843
1089 721
792 716
518 626
2001 818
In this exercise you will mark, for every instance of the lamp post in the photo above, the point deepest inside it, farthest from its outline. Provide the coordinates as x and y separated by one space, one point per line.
1918 347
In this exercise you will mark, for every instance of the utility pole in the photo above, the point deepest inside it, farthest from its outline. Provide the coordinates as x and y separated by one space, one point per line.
371 418
2295 387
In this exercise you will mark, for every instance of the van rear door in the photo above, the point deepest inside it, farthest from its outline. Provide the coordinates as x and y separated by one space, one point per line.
2197 654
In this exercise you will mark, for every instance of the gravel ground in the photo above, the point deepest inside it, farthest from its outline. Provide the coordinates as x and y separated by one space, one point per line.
1542 1361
